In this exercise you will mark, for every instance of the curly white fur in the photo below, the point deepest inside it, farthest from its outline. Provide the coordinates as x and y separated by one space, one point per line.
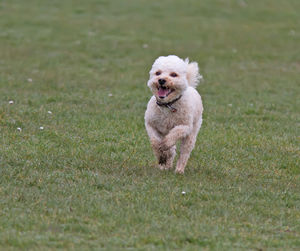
173 79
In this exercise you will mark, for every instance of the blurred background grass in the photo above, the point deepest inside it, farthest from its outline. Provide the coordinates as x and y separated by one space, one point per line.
88 178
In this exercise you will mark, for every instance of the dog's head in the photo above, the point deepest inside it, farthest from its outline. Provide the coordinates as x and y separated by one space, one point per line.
169 77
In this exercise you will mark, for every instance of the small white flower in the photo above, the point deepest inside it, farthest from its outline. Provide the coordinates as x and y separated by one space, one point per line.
49 112
19 129
183 192
230 105
243 3
145 46
41 128
110 95
292 33
11 102
29 80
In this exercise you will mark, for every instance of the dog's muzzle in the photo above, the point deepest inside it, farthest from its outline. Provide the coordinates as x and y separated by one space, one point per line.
162 81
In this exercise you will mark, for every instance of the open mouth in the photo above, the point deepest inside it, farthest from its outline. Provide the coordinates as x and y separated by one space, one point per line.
163 91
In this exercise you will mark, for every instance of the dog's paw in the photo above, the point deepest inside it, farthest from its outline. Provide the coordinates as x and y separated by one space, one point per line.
164 145
162 167
179 171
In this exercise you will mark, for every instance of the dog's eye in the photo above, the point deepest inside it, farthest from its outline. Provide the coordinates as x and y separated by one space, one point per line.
157 73
173 74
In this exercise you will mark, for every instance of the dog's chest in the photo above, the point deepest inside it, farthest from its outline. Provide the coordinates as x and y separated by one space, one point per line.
166 121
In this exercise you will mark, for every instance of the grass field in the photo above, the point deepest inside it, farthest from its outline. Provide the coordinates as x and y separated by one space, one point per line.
87 180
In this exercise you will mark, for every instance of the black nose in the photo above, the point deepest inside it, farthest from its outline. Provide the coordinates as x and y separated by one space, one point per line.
161 81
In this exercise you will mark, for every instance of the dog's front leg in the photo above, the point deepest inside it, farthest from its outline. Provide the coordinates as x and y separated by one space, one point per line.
178 132
155 140
165 158
154 136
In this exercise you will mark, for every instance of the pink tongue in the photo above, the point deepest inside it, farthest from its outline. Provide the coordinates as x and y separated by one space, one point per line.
163 92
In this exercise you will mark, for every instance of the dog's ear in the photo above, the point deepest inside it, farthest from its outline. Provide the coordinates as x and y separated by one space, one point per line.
193 76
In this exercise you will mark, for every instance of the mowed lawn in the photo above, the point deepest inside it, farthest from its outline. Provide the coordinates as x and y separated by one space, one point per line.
76 167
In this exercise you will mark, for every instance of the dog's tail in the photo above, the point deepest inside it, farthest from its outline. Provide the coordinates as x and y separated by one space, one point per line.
193 75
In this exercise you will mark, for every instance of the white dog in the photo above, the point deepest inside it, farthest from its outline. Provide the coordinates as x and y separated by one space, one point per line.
174 112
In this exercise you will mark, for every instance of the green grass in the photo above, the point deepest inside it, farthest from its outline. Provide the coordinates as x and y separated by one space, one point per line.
88 180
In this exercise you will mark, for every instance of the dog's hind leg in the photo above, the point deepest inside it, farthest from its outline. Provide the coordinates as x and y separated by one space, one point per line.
186 147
